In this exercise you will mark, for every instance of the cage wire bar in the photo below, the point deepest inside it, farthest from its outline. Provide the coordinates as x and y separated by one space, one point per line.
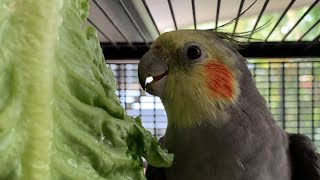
290 86
317 38
217 13
238 16
134 22
194 14
280 19
309 9
106 36
172 15
150 15
310 29
258 19
111 21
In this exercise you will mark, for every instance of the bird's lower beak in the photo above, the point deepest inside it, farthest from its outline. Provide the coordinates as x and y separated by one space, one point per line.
150 66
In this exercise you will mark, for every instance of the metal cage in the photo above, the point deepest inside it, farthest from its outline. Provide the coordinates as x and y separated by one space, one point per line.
290 87
286 69
126 28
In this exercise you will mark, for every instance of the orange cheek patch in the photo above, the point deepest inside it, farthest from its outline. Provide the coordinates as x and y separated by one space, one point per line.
219 79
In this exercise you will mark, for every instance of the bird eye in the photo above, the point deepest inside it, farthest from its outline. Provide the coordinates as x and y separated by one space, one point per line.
193 51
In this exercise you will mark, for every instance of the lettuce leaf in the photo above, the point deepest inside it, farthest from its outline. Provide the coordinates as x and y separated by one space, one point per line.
59 115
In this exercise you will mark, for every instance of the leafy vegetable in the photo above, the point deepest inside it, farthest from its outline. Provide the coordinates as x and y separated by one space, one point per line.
59 115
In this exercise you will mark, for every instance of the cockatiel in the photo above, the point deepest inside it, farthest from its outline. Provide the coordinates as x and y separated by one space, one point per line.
219 126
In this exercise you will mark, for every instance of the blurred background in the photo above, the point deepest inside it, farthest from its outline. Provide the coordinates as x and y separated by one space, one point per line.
284 57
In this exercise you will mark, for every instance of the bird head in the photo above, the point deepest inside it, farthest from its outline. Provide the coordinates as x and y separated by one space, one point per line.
195 73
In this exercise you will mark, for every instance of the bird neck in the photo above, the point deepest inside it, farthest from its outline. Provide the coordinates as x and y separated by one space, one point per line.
188 104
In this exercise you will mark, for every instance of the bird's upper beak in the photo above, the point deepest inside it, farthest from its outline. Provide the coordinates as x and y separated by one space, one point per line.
151 66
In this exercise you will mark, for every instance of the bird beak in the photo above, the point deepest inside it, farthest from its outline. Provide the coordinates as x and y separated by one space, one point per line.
151 66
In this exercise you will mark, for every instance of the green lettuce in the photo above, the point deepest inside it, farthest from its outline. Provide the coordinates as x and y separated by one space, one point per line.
59 115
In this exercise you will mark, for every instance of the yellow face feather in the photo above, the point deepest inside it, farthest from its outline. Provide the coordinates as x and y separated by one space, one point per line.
197 92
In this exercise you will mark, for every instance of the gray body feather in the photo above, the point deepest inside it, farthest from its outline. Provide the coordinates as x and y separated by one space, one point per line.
304 161
250 146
